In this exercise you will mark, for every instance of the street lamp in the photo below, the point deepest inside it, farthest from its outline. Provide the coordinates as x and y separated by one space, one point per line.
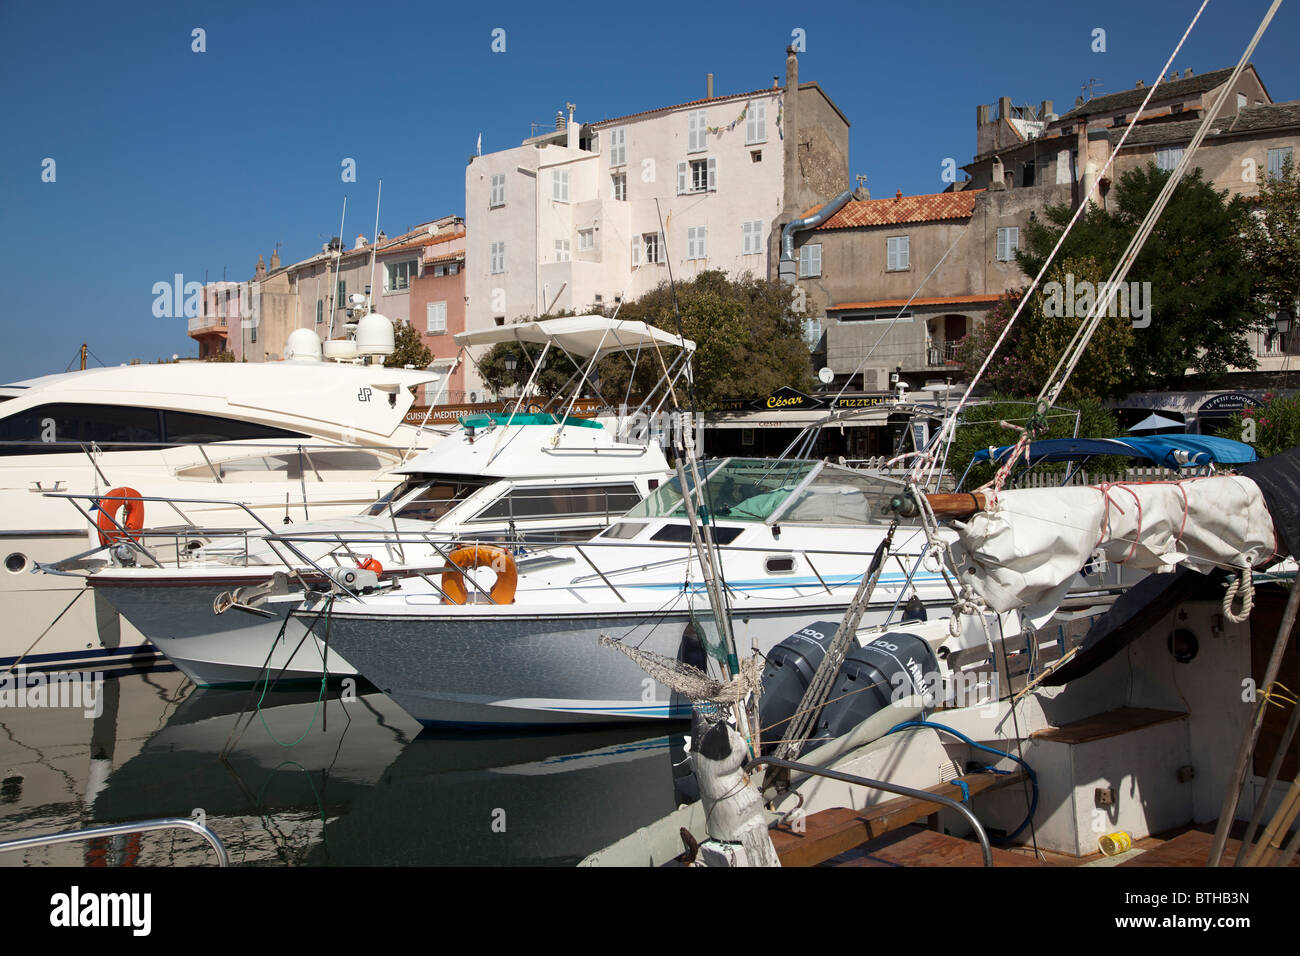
511 362
1282 325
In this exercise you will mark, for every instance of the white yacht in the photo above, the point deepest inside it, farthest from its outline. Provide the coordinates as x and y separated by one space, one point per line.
230 445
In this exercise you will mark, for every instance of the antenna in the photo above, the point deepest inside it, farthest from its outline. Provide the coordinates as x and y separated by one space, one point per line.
374 244
338 261
1090 87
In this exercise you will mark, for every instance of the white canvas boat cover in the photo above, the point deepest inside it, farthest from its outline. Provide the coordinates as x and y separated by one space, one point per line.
584 335
1027 551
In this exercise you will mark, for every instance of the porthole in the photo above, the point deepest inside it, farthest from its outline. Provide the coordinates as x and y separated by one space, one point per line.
782 564
16 563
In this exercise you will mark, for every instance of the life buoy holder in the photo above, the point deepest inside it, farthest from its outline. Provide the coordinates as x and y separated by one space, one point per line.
123 499
481 556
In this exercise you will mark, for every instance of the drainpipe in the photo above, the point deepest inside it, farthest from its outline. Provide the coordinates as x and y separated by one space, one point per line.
788 270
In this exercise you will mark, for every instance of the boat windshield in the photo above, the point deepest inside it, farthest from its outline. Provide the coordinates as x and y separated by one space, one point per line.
838 496
738 489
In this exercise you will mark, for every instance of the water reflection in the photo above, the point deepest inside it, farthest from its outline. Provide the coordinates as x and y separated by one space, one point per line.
302 780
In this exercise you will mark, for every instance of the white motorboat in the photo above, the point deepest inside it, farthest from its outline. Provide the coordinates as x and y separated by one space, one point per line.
523 480
285 441
795 537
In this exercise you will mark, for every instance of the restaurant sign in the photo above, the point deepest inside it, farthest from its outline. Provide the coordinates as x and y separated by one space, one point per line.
786 398
450 414
1230 402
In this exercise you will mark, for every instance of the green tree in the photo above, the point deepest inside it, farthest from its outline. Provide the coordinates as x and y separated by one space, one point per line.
748 342
409 348
554 375
1026 360
1203 302
981 427
1272 428
1273 240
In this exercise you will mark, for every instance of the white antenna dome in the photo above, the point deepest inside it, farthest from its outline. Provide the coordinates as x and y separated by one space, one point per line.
339 350
375 335
303 345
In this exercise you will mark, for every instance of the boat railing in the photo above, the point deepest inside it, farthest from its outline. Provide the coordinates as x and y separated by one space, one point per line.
121 829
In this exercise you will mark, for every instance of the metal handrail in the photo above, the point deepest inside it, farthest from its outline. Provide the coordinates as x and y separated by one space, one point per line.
902 791
121 829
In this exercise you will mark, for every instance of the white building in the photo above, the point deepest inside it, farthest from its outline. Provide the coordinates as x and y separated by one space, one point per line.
587 215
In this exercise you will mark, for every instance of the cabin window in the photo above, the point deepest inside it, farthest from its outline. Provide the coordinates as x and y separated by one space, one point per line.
556 501
681 533
184 428
624 530
437 497
58 427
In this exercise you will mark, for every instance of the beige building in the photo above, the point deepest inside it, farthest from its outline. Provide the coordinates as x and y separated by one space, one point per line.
588 215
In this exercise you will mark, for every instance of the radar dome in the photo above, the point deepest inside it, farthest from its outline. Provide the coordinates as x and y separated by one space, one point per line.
303 345
375 335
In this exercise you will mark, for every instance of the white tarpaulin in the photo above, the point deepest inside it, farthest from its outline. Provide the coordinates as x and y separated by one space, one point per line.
1027 552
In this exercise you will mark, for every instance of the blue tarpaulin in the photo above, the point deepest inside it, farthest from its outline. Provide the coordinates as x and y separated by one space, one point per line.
1171 451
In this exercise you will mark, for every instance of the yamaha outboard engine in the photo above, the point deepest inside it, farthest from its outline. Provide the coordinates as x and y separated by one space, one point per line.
789 671
893 666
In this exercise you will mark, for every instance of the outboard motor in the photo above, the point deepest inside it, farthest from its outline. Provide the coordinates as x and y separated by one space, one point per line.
790 669
893 666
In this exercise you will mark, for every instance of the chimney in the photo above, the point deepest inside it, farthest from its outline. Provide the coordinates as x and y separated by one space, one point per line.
1044 108
708 87
898 195
1140 85
559 119
361 242
790 110
573 127
776 82
275 259
1078 101
1004 107
982 115
1187 72
260 271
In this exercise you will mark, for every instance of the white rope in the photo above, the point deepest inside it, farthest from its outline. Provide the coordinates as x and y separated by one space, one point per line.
1246 585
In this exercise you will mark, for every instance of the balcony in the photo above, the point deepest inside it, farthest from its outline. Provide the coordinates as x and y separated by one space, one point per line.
941 355
201 325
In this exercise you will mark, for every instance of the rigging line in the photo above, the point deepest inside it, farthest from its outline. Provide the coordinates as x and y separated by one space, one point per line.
1083 205
1015 724
1093 320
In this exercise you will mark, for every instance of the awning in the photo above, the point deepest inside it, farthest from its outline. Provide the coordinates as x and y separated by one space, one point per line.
584 335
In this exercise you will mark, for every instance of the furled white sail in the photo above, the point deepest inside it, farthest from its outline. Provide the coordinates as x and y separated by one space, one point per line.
1026 550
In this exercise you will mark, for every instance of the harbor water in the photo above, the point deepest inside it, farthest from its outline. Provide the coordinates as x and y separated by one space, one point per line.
301 778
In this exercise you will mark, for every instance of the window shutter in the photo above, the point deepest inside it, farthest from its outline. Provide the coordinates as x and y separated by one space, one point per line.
746 232
636 251
683 177
692 132
703 241
713 174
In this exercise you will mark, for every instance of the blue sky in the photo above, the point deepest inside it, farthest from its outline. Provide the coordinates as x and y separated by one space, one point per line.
170 161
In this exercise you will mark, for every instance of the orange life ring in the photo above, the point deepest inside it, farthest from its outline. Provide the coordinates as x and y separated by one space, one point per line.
118 499
370 564
481 556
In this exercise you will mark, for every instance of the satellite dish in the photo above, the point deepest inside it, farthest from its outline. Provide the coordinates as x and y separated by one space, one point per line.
826 376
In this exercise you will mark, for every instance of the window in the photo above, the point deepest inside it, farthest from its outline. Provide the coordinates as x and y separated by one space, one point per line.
183 428
253 336
438 497
697 176
647 250
695 242
1169 157
436 318
1008 242
810 260
449 269
562 501
560 185
751 234
618 187
696 132
899 253
398 275
586 240
341 295
617 147
1277 159
1241 101
320 311
756 123
498 191
562 250
755 155
498 254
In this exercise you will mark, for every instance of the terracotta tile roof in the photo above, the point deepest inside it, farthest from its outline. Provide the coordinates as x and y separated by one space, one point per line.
402 244
896 303
930 207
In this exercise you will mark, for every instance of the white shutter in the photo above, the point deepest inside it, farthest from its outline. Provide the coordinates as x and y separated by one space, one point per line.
702 241
746 229
636 251
713 174
756 123
816 259
683 177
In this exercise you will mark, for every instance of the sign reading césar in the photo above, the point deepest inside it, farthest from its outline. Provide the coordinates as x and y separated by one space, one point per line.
786 397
